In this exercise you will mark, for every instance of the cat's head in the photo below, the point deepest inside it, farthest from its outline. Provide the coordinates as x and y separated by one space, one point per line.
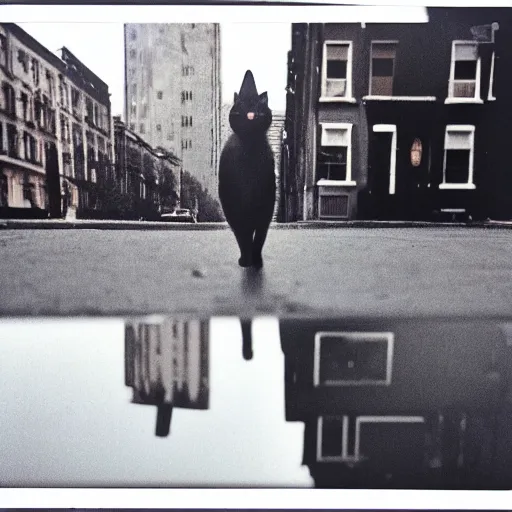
250 114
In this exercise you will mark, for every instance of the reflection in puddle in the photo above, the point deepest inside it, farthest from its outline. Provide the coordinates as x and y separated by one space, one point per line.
166 365
335 403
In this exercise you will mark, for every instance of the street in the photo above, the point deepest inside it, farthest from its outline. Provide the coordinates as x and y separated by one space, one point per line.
354 272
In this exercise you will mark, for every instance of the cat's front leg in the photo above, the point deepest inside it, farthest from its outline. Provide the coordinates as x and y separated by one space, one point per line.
244 240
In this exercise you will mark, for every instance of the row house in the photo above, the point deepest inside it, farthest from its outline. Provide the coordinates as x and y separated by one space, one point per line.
400 121
55 128
401 402
167 365
148 177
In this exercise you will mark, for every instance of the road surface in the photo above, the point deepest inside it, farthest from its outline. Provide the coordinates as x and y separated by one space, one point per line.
353 272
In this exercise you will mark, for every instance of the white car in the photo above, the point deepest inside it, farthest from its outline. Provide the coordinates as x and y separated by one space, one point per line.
181 215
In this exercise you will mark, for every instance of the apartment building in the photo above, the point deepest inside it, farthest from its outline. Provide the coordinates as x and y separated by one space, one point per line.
55 129
173 93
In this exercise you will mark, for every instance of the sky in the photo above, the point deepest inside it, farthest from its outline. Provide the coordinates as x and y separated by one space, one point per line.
261 45
76 424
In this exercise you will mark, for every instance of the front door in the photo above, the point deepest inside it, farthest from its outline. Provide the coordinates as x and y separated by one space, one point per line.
381 177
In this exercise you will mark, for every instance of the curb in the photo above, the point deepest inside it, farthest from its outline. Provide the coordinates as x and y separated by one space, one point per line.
217 226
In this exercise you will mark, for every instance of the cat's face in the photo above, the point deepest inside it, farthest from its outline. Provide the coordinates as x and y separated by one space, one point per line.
250 115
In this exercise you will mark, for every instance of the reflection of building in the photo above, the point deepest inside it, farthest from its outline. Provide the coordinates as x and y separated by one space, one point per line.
55 123
401 403
173 92
390 121
166 364
150 178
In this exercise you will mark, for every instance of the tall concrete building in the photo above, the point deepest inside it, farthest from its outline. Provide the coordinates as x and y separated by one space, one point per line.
173 93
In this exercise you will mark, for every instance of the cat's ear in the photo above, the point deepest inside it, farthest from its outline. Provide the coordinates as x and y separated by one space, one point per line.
263 98
235 98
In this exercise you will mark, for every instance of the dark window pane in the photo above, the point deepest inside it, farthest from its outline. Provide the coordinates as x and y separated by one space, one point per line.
457 165
465 70
332 163
382 67
336 69
332 434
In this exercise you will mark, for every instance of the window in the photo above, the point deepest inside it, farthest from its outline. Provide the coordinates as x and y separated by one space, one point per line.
144 111
133 54
190 120
335 153
24 103
142 128
382 68
337 70
35 71
51 84
23 59
159 95
12 141
76 101
89 107
464 72
132 127
3 51
190 95
4 190
190 143
158 127
458 157
133 109
9 99
133 34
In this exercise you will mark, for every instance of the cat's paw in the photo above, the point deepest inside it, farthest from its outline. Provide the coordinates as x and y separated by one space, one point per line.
244 262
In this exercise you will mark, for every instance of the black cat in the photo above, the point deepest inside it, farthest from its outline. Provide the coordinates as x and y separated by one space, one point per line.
247 187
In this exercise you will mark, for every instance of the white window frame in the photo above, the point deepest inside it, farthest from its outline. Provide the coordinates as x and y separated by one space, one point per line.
490 94
348 98
389 337
370 94
476 98
348 182
344 457
390 128
470 184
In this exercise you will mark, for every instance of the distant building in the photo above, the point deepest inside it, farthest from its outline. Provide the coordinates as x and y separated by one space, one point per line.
148 178
401 403
167 365
274 135
173 93
400 121
56 138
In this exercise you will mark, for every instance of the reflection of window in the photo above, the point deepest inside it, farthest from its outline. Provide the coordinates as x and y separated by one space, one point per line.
382 69
334 154
464 71
458 157
337 70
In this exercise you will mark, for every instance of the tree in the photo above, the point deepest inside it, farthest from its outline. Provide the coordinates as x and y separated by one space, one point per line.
209 209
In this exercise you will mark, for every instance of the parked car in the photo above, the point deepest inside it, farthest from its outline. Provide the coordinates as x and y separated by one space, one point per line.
181 215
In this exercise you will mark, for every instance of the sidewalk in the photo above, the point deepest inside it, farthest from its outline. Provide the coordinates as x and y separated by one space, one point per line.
212 226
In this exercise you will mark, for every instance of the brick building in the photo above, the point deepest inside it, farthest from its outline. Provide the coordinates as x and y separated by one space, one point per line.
400 121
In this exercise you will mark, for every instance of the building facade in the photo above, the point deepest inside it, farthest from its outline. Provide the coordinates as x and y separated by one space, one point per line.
173 93
148 180
55 128
394 121
167 365
401 403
